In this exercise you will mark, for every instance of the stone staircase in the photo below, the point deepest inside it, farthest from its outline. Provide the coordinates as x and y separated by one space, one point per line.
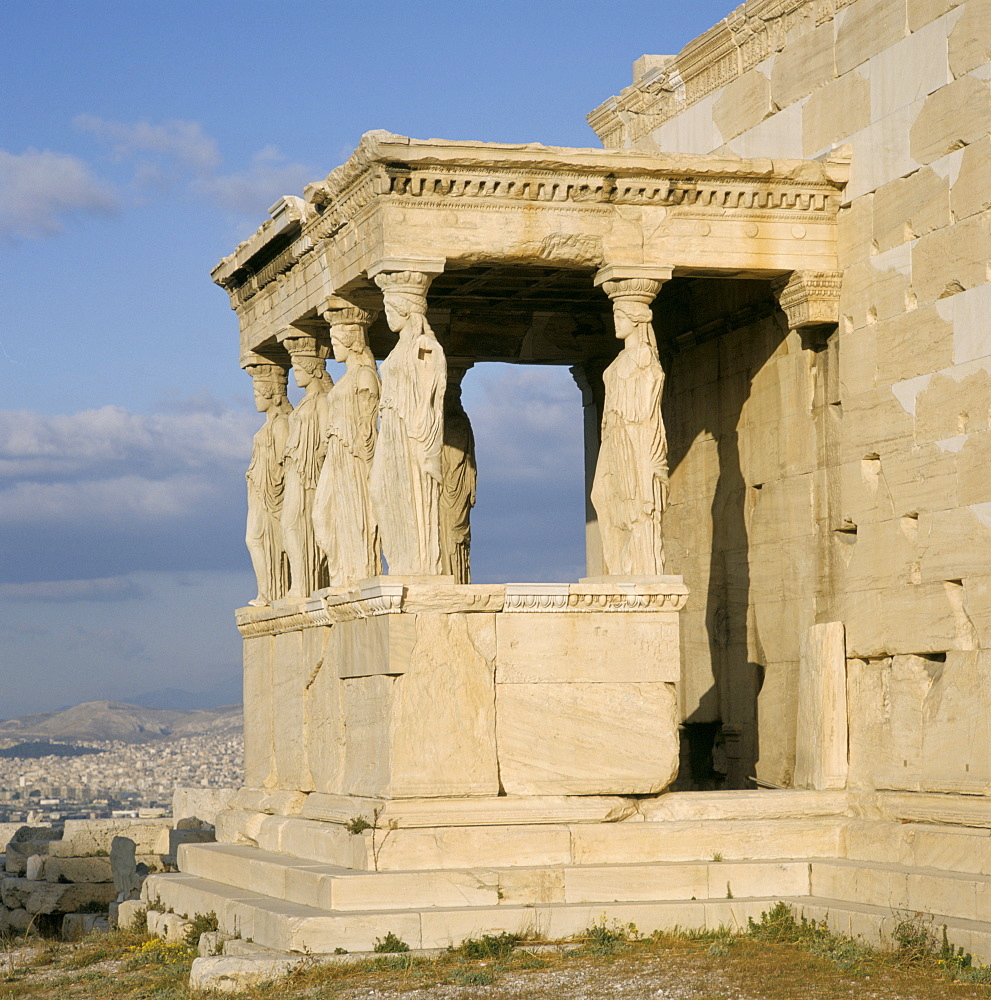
307 894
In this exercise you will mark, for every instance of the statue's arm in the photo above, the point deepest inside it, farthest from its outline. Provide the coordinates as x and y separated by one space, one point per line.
280 436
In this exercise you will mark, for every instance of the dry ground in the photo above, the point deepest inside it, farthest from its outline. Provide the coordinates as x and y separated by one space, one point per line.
778 960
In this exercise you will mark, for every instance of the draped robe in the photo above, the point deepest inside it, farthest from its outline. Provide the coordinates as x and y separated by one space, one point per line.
629 490
406 471
343 518
266 483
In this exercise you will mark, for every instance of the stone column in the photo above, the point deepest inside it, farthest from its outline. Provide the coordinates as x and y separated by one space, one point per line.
459 470
266 480
588 377
304 454
629 489
407 470
343 520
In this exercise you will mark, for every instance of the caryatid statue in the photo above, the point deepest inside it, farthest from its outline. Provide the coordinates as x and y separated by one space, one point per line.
305 449
407 470
630 487
458 494
265 478
343 519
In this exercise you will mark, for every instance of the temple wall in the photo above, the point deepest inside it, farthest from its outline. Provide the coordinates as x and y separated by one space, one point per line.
848 483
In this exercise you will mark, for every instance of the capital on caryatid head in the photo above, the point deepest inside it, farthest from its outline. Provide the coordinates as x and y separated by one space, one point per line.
304 345
353 309
267 364
404 283
404 293
268 376
309 354
809 298
349 315
632 282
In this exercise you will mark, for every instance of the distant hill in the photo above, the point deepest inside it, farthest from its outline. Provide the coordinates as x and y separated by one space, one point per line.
227 692
114 720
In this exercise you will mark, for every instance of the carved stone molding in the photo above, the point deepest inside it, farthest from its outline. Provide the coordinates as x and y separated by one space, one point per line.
381 597
809 298
536 597
636 281
627 602
749 35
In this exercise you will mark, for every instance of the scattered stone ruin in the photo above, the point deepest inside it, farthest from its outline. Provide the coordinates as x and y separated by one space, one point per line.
70 881
772 288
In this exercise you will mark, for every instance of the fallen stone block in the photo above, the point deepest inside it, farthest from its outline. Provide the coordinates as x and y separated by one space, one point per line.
211 943
54 897
27 842
225 974
171 927
77 870
8 830
94 836
18 921
131 915
124 866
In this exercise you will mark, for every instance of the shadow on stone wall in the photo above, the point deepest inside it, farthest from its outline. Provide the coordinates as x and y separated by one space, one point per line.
715 336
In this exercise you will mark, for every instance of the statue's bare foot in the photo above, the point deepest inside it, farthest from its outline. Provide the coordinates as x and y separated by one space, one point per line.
257 603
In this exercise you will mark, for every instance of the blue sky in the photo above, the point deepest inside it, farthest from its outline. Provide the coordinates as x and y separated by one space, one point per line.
139 142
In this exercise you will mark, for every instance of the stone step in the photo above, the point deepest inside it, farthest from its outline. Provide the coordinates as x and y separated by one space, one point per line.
877 925
328 887
293 927
904 887
921 845
549 845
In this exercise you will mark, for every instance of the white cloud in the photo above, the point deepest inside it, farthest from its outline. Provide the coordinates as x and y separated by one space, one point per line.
107 492
107 501
252 191
38 188
110 470
163 154
40 447
185 142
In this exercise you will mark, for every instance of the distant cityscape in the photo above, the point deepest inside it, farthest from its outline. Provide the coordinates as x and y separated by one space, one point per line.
105 778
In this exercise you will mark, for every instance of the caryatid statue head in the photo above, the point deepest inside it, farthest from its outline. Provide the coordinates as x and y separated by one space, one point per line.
349 333
634 319
269 382
309 361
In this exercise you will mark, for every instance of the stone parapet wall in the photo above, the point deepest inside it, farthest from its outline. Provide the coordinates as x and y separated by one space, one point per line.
409 689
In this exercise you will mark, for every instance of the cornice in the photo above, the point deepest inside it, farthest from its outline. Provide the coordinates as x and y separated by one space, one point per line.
742 40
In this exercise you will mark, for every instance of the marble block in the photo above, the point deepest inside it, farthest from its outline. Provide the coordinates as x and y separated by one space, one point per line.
821 743
614 647
587 738
429 731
